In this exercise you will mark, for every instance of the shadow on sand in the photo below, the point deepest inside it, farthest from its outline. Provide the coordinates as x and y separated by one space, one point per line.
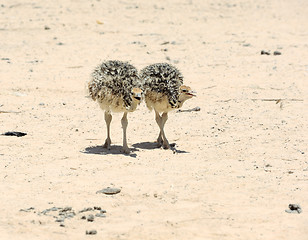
153 145
114 150
146 145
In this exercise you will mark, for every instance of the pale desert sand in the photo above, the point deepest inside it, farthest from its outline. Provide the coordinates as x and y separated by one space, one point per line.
240 161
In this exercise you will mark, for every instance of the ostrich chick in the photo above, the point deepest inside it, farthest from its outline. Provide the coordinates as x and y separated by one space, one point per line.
116 86
164 91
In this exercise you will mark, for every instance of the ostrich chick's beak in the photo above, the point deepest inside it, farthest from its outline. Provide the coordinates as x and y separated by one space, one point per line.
192 93
138 96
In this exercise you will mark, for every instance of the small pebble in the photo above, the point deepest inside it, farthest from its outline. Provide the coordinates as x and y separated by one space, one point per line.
277 53
70 215
90 218
16 134
60 220
109 191
100 215
27 209
294 208
264 53
195 109
91 232
86 210
66 209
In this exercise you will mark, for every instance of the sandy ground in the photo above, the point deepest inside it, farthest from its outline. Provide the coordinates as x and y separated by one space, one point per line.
240 161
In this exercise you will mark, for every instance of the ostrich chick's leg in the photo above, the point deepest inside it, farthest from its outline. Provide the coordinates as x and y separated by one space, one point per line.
164 119
108 118
124 126
158 121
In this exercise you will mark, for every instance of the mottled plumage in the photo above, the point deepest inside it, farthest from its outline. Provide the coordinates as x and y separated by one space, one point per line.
116 86
164 80
164 91
116 79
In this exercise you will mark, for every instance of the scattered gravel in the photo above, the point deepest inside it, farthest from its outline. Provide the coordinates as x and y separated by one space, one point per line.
62 214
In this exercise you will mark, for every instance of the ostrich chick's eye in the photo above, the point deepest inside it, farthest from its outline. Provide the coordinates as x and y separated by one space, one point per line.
184 90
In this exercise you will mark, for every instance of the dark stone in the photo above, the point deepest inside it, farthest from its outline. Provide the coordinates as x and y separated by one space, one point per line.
264 53
91 232
60 220
86 210
294 208
16 134
90 218
277 53
164 43
66 209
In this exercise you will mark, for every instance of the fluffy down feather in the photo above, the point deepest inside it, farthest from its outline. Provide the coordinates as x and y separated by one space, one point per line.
116 78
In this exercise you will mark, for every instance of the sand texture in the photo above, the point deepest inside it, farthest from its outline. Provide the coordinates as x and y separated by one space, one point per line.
238 162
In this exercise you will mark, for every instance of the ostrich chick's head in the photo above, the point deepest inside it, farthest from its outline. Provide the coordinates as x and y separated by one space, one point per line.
186 93
137 95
